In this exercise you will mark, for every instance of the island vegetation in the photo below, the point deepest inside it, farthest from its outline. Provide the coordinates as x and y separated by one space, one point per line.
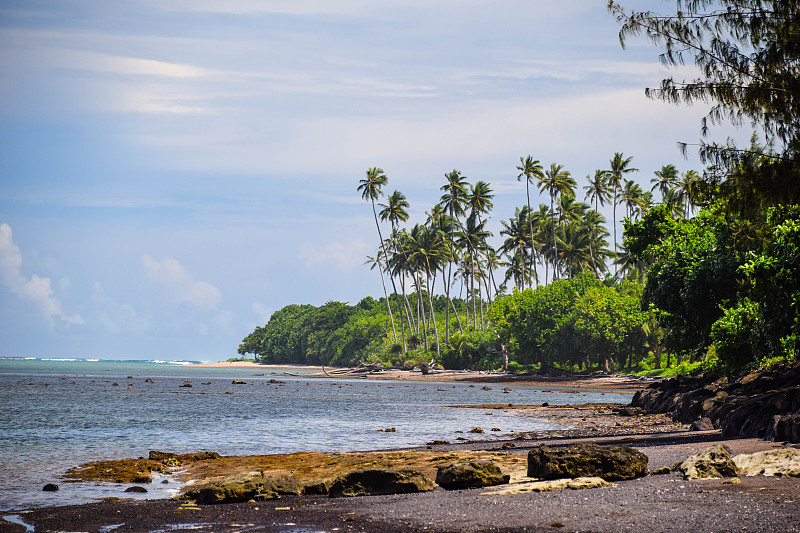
706 275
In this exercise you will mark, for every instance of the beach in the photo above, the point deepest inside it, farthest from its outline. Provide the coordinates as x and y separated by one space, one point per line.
655 503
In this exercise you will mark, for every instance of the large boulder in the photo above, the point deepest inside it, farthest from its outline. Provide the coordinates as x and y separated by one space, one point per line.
470 475
713 462
780 462
379 481
612 463
244 487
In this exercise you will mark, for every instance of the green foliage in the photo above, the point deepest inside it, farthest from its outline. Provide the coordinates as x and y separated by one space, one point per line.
474 350
572 322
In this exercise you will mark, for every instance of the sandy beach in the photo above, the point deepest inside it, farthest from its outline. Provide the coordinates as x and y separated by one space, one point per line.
610 382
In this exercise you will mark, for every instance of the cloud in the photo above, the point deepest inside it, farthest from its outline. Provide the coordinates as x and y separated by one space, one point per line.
36 290
179 286
345 256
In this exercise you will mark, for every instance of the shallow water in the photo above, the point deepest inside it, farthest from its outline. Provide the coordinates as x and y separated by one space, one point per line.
59 414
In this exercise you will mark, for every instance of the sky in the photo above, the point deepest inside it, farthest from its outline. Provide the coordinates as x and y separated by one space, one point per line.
172 172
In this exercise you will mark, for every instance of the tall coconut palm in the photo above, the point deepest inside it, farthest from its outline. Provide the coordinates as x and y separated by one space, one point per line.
371 189
542 223
632 196
557 182
665 179
597 189
594 223
532 170
675 203
454 199
689 185
430 251
516 242
395 211
620 166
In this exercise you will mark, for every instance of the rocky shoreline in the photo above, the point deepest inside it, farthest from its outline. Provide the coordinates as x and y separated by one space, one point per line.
291 493
764 404
682 456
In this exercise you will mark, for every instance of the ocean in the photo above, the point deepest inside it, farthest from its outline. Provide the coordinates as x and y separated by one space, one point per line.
59 413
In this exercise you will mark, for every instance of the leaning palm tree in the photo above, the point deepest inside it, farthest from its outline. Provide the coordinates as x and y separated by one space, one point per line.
371 189
620 166
665 179
531 169
557 182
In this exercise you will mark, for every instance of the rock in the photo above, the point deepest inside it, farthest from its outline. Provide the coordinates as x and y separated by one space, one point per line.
50 487
379 481
137 489
437 442
702 424
244 487
661 471
548 486
764 404
713 462
476 430
611 463
470 475
239 382
318 487
780 462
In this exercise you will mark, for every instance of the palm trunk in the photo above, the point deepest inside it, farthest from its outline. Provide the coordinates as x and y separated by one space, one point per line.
385 255
433 318
530 227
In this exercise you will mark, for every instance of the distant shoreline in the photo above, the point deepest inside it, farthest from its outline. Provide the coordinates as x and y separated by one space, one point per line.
610 382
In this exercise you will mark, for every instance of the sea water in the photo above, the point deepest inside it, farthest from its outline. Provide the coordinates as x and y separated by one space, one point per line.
56 414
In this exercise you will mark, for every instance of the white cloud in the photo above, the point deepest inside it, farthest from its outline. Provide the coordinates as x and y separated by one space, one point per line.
344 256
36 290
179 286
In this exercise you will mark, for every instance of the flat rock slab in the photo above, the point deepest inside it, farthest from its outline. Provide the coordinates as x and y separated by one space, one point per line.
783 462
379 481
612 463
244 487
470 475
551 485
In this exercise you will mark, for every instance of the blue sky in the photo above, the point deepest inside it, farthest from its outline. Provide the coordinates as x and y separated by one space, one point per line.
174 171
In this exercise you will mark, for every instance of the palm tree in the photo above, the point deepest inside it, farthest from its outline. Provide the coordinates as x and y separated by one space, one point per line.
594 224
689 185
531 169
429 251
542 223
665 179
395 212
454 198
371 189
632 196
620 166
515 243
675 203
597 190
557 182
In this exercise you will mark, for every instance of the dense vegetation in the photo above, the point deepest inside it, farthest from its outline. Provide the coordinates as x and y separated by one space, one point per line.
710 274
